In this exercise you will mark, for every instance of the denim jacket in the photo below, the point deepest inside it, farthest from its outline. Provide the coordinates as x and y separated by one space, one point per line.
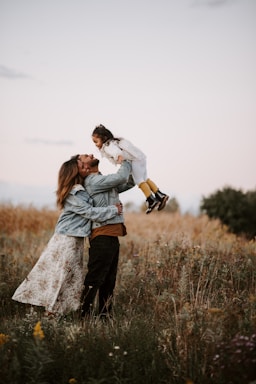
104 190
78 212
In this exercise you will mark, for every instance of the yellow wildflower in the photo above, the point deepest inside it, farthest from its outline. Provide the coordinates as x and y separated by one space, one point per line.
38 332
215 310
3 338
72 381
252 298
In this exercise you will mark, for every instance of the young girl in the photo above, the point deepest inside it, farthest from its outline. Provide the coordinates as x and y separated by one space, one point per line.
56 280
119 149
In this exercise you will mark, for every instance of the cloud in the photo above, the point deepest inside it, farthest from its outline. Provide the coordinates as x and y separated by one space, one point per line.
50 142
210 3
11 73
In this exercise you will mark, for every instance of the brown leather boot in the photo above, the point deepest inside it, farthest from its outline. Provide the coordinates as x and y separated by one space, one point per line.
152 203
162 197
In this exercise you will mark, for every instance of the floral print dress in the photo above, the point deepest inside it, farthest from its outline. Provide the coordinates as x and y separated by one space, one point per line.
56 280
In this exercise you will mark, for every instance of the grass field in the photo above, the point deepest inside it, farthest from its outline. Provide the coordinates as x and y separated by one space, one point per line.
184 307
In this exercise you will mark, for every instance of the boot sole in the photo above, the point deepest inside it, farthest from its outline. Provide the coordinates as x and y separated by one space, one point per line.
163 203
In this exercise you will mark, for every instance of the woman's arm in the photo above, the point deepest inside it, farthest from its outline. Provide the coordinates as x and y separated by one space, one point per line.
79 204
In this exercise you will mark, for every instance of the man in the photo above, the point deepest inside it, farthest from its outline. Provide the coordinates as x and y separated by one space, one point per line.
104 242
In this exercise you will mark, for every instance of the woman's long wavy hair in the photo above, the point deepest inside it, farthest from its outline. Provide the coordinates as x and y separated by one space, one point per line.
68 176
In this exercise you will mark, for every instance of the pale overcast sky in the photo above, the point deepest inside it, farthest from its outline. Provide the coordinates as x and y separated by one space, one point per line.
176 77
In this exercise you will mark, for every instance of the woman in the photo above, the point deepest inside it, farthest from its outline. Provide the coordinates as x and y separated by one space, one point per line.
56 280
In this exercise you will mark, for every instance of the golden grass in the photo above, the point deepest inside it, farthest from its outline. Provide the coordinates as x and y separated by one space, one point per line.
184 281
15 219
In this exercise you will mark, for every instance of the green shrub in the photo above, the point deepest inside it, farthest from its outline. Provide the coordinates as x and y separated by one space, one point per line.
234 208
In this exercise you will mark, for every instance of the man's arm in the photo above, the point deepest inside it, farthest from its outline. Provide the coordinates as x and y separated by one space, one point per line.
101 183
124 187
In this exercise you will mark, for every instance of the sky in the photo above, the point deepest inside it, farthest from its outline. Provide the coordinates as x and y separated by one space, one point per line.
175 77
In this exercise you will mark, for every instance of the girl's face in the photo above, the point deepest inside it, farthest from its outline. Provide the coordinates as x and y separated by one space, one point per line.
97 141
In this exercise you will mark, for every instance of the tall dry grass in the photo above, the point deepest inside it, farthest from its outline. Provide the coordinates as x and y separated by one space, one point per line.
184 309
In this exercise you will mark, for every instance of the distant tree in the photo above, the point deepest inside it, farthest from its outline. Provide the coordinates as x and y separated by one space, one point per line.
130 207
251 212
172 205
233 208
